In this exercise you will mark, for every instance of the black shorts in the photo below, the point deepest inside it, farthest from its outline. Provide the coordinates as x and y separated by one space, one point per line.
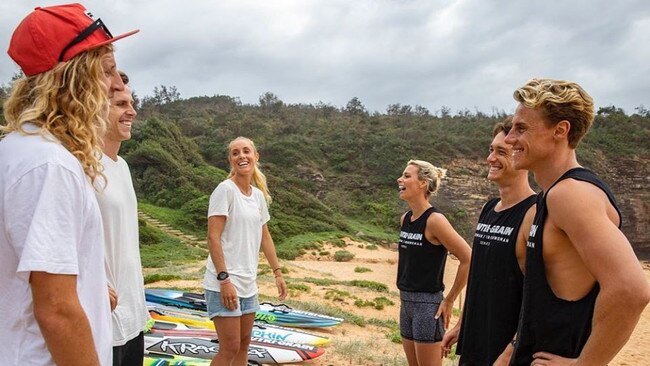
416 317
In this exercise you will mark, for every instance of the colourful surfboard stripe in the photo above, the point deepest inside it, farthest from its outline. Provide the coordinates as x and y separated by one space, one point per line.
204 348
271 314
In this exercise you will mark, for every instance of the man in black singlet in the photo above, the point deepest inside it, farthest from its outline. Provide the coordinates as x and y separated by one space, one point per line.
584 288
495 284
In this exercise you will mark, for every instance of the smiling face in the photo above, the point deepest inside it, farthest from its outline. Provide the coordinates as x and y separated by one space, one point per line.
410 185
531 139
500 159
242 156
120 116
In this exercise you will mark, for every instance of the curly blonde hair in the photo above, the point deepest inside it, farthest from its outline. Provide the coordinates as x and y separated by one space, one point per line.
559 100
429 173
70 102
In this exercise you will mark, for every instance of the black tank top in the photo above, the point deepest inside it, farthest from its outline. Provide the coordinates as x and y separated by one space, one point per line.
421 264
495 285
547 322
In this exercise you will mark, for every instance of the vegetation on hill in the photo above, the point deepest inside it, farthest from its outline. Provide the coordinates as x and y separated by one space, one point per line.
331 170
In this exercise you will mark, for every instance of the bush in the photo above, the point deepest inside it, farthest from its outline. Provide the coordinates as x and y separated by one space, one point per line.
148 235
336 295
343 256
160 277
377 286
362 269
301 287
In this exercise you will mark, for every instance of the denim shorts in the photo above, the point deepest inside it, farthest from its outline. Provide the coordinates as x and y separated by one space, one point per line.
247 305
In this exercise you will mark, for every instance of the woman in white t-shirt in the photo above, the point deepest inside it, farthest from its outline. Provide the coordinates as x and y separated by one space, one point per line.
237 228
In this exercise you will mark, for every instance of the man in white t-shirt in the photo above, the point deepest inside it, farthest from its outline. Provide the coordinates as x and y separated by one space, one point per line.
119 208
51 244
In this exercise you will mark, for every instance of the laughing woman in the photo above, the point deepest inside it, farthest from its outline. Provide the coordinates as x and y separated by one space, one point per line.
237 228
425 238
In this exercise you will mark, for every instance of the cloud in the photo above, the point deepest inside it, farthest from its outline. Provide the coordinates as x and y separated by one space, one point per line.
461 54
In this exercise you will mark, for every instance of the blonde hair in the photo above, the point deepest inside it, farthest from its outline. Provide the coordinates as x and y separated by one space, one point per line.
429 173
259 179
559 100
70 102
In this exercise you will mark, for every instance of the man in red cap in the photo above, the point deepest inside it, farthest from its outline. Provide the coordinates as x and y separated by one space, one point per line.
54 303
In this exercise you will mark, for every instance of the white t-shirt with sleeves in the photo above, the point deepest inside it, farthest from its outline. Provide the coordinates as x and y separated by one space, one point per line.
119 208
241 238
50 222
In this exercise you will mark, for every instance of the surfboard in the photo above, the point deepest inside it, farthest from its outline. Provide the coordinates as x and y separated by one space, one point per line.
163 359
281 314
204 348
286 316
173 326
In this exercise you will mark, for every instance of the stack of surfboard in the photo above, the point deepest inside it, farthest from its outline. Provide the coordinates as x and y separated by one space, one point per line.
182 334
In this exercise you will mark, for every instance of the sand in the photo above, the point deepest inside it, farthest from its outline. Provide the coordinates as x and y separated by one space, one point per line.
369 345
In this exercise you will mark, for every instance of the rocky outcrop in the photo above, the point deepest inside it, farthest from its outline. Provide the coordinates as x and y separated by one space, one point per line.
467 189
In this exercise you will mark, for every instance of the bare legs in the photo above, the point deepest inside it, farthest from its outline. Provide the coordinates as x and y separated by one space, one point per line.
422 354
234 337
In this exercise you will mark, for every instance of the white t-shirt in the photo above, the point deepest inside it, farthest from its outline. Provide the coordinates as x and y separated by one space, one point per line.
241 237
119 208
50 222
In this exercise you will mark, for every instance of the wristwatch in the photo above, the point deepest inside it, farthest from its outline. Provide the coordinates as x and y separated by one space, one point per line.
222 276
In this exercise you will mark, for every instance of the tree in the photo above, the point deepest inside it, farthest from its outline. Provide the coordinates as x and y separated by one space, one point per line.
421 111
355 107
162 95
270 102
610 110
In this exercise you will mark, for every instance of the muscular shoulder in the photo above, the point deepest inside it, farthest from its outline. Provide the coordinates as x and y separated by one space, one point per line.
571 199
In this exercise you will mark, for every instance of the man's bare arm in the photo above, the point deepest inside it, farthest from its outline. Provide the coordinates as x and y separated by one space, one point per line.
62 320
579 209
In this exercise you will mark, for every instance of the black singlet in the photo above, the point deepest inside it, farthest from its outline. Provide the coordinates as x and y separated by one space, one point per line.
547 322
421 264
495 285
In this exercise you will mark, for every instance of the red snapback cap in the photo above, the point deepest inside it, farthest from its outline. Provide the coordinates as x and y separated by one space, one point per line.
54 34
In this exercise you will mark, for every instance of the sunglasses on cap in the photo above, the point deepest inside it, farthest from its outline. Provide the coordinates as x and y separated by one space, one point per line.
84 34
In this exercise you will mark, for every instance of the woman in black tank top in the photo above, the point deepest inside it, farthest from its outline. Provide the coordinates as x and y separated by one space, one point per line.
425 238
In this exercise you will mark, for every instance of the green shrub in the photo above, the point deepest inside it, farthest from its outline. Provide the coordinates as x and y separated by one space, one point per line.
362 269
148 234
377 286
160 277
336 295
343 256
301 287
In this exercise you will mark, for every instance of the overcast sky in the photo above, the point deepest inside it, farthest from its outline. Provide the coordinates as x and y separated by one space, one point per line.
462 54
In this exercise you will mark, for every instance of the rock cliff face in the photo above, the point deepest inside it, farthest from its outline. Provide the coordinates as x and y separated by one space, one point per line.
467 189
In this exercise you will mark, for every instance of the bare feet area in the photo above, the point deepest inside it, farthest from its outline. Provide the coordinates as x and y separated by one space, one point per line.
371 344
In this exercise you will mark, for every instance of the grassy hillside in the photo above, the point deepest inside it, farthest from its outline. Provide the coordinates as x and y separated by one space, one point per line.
331 172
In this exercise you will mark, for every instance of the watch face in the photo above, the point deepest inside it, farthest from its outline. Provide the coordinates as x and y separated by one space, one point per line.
222 276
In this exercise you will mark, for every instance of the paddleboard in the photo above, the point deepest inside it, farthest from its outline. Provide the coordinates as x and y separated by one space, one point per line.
282 314
173 326
163 359
205 348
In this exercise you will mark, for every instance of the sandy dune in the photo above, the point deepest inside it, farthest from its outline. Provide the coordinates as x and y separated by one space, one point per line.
369 345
